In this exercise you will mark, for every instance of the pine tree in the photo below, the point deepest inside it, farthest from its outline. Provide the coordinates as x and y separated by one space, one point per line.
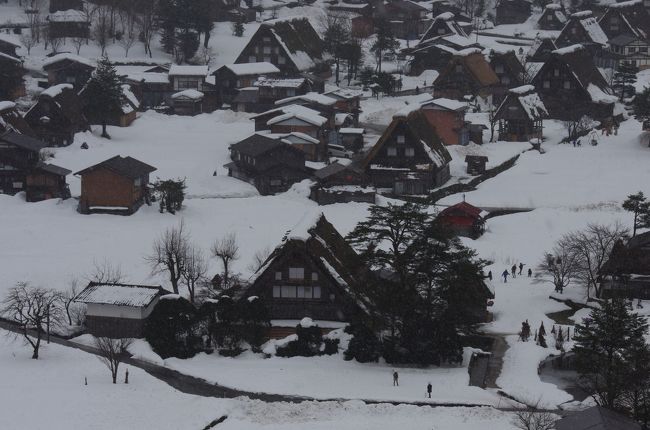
642 104
553 329
559 340
542 330
640 207
624 79
541 340
102 94
238 28
612 356
385 41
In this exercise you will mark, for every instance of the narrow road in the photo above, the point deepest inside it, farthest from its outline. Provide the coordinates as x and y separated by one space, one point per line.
499 348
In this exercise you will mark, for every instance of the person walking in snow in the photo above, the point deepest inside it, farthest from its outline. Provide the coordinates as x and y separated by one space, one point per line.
530 272
429 389
395 378
513 269
521 267
505 276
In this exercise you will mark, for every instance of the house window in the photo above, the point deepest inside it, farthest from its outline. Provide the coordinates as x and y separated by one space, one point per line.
281 60
643 50
567 85
505 80
459 68
296 273
277 291
275 182
498 68
632 50
549 17
410 152
314 276
556 72
391 151
266 39
316 292
137 182
186 84
257 49
267 59
288 291
441 31
400 138
291 92
546 84
252 59
267 49
278 276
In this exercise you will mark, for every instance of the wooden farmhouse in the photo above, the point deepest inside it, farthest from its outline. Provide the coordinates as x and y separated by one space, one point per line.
571 86
265 92
336 183
56 5
271 165
447 117
313 128
583 28
118 185
463 219
409 157
23 170
347 101
57 115
292 45
313 273
520 115
187 102
407 19
509 71
512 11
229 79
627 25
351 138
68 23
12 84
68 68
466 74
626 273
151 85
553 17
118 310
444 24
437 53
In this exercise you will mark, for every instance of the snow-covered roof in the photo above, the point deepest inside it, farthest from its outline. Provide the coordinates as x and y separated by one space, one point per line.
317 98
133 100
252 68
352 130
150 77
300 231
279 83
6 105
533 105
293 137
553 6
6 38
625 4
341 117
300 112
188 94
186 70
70 15
446 103
568 49
344 93
119 294
522 89
591 26
68 56
55 90
599 96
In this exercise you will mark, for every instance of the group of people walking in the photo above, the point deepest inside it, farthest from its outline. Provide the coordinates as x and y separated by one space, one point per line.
513 272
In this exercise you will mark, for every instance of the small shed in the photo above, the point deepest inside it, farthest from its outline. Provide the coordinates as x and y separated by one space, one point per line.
463 219
476 164
352 138
46 181
188 102
596 418
118 310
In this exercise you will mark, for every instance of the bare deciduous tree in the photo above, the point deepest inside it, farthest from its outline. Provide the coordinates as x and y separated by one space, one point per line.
128 34
196 268
101 28
226 250
33 13
33 309
55 43
147 22
28 41
112 352
78 42
106 273
591 248
576 127
560 264
532 418
169 254
68 297
259 259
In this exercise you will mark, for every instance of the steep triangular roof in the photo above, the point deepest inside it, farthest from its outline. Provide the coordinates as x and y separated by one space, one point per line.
418 124
527 99
541 49
633 15
477 66
297 36
445 21
582 65
589 24
123 166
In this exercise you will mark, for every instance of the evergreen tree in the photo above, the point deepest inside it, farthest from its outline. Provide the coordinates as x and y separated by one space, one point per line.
364 345
169 328
102 94
640 208
170 194
255 321
542 330
385 41
238 28
612 357
642 104
337 36
541 340
624 79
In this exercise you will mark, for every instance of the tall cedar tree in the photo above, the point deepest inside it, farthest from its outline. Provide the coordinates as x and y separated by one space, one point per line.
103 93
336 38
642 104
385 41
624 79
431 288
612 358
640 208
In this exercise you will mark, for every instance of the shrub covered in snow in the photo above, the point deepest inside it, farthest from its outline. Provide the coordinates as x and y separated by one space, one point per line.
364 345
170 329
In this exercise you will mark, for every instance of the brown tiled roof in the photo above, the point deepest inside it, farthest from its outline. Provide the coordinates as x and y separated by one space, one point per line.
123 166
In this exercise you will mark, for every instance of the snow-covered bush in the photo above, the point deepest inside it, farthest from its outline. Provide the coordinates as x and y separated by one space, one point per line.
364 345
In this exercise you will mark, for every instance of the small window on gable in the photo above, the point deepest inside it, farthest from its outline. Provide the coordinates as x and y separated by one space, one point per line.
410 152
266 39
278 276
316 292
400 138
252 59
391 151
567 85
281 60
314 276
459 68
556 72
498 68
277 291
296 273
547 84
